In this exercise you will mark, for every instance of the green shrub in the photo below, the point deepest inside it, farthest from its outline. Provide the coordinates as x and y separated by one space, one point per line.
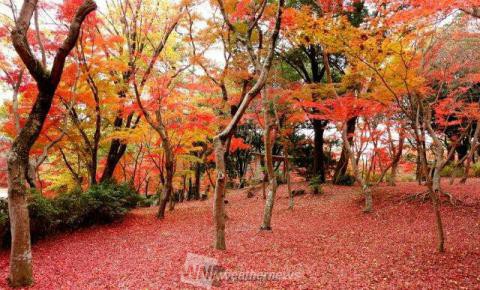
476 169
450 170
107 206
43 215
4 223
74 209
149 201
346 180
101 204
105 203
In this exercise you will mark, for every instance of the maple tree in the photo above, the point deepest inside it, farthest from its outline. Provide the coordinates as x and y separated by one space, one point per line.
47 82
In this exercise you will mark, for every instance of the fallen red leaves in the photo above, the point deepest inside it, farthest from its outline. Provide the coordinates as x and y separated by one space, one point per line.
326 239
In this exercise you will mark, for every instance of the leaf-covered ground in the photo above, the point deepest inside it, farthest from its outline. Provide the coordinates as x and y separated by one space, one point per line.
326 242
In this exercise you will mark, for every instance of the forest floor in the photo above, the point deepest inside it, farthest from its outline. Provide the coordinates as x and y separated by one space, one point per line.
325 242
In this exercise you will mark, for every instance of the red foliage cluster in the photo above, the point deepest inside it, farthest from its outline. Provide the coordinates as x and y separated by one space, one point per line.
326 242
344 108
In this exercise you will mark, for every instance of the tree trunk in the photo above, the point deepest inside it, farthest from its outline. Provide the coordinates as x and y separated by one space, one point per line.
164 198
171 202
434 194
218 197
318 153
393 175
289 184
432 182
272 179
366 191
197 180
473 149
342 165
115 153
20 252
434 189
168 186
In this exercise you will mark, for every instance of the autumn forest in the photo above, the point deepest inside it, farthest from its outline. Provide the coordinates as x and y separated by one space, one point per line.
244 144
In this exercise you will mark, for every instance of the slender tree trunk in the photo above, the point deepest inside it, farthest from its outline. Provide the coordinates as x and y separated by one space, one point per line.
366 191
168 186
198 175
272 179
434 194
93 170
171 202
342 165
289 184
219 205
397 158
471 153
166 193
432 182
318 153
147 183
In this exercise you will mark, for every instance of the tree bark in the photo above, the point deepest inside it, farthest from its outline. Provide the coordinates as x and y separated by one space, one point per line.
218 197
272 179
198 175
20 254
289 183
433 182
318 153
168 186
366 191
342 165
471 153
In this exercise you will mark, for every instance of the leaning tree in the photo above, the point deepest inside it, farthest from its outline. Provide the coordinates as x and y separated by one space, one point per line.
18 158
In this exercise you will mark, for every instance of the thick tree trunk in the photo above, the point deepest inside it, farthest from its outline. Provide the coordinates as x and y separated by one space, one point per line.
393 175
219 205
115 153
272 179
20 254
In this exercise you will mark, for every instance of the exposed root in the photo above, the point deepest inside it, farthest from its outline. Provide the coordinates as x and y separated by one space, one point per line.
421 196
425 197
451 199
